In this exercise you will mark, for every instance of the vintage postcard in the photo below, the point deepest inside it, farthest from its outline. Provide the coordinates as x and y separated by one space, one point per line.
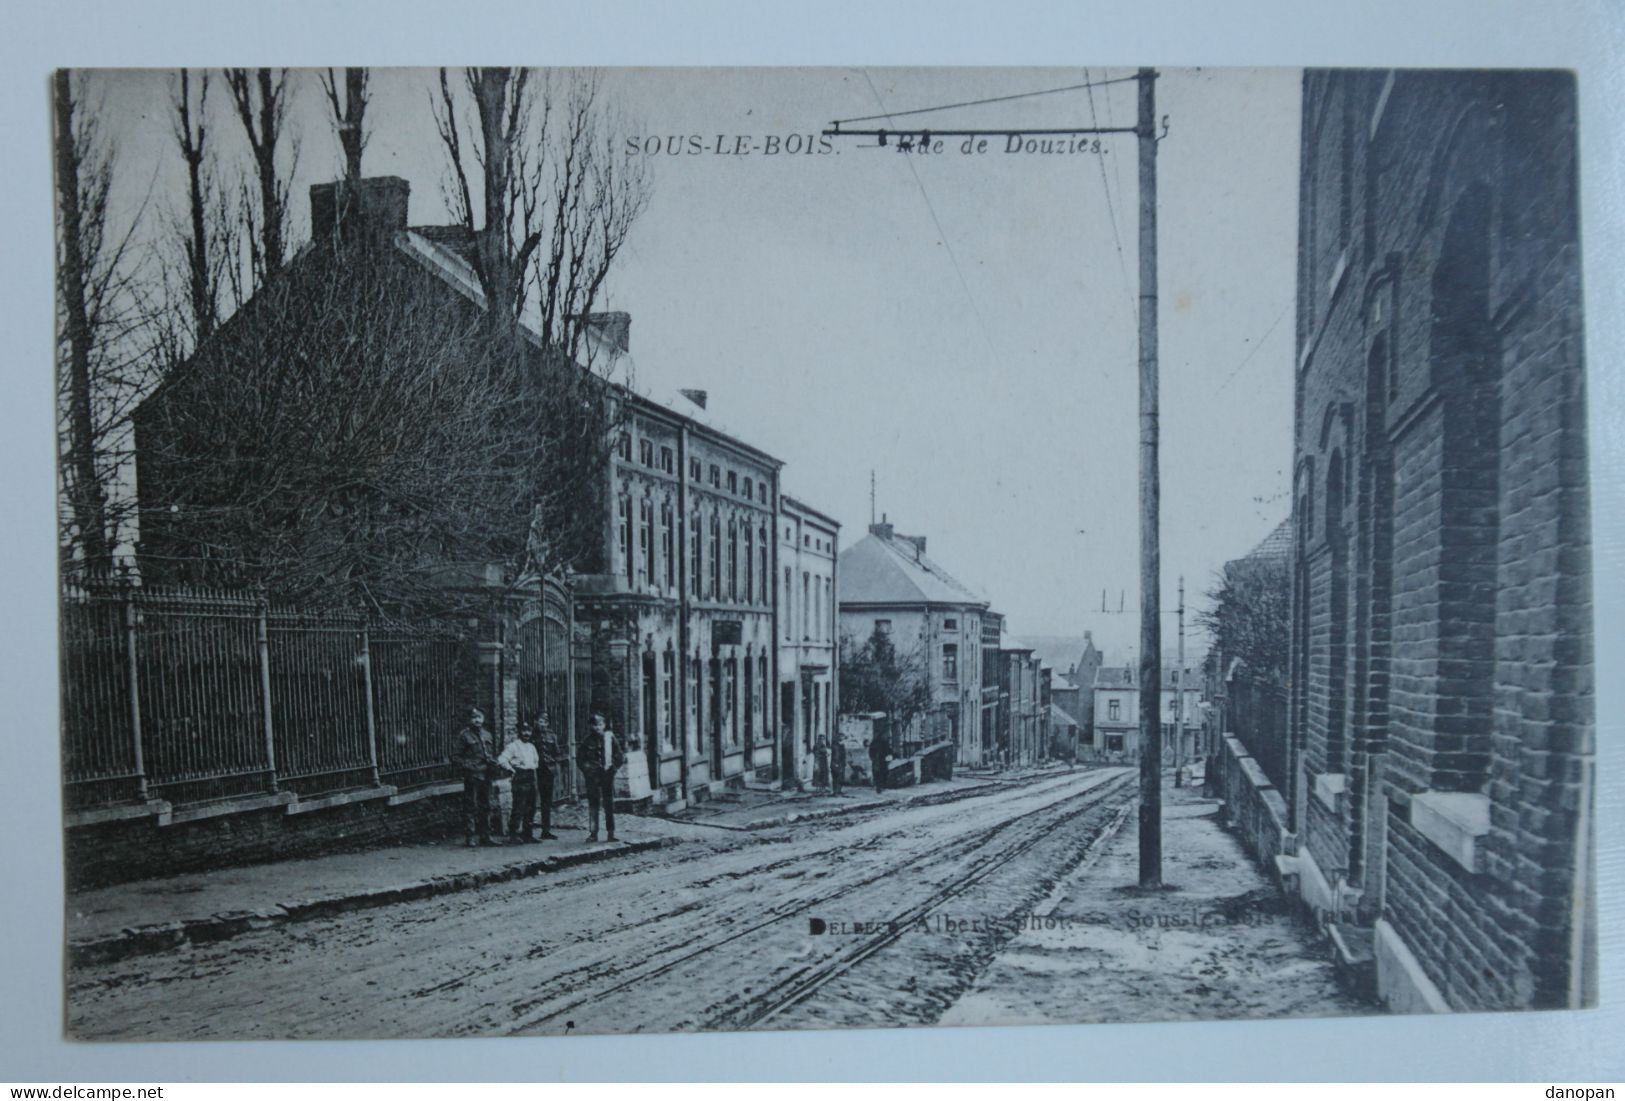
565 551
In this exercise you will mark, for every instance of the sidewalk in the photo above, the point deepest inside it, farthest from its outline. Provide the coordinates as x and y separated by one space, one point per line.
1218 943
156 915
759 809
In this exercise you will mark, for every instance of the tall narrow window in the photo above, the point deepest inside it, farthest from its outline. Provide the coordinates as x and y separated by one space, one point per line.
750 702
750 563
695 571
806 606
733 560
761 536
628 563
646 539
950 662
715 550
667 546
787 600
668 690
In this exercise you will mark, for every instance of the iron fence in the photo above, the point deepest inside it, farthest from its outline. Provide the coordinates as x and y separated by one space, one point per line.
195 693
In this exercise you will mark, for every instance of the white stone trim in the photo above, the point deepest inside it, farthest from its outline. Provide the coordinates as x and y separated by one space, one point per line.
1331 788
1402 985
1453 821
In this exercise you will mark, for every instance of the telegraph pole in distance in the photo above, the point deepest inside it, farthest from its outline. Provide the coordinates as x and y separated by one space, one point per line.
1150 497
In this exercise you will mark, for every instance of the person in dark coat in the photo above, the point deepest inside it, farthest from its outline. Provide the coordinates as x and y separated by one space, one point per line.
837 765
599 755
550 758
474 756
879 756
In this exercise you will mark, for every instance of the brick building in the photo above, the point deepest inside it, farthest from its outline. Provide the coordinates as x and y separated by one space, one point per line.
1440 715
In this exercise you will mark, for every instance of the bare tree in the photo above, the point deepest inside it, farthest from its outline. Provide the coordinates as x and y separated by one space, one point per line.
346 436
99 327
349 115
200 232
544 208
260 101
554 205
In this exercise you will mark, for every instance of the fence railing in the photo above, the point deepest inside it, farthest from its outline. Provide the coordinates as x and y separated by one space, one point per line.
207 693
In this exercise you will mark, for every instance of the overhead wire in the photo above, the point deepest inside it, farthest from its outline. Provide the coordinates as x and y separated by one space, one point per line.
891 116
981 323
1111 211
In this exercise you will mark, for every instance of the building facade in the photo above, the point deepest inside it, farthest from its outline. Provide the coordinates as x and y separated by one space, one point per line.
683 625
1117 715
889 585
808 685
1440 716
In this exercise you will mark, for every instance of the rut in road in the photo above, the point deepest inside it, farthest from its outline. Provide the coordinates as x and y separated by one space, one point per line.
963 860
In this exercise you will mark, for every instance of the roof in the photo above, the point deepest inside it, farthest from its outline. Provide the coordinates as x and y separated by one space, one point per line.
1121 676
1060 718
887 571
1277 544
1011 642
797 505
447 251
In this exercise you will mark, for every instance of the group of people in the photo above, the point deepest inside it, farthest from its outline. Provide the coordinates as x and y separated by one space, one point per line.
530 760
830 764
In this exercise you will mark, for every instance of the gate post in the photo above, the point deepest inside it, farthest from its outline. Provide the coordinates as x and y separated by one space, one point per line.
263 635
134 694
372 719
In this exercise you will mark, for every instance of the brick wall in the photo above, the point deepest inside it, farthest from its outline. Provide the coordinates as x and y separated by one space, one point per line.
119 852
1439 301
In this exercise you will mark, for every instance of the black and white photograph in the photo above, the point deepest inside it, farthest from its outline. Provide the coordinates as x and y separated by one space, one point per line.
556 551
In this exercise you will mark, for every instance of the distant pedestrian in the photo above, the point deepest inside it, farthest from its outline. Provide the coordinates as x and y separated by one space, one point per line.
549 759
521 756
599 756
473 756
821 763
837 765
879 757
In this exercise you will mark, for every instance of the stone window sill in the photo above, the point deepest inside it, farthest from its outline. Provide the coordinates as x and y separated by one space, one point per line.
1331 788
1453 821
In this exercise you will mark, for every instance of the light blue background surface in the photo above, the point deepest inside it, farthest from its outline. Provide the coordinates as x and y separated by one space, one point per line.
1546 1047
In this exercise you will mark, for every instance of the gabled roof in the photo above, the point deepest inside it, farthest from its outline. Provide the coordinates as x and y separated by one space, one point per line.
1277 544
447 251
878 570
1061 718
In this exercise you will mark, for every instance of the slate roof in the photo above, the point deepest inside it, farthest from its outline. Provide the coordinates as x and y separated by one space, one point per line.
876 570
1277 544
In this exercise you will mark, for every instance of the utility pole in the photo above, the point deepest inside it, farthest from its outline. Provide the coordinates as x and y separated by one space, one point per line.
1150 664
1150 499
1179 696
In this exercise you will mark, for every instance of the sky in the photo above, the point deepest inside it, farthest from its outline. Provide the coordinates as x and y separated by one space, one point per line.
960 326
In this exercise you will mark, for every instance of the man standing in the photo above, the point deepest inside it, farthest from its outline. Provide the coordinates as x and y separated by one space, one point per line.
599 756
837 765
522 758
879 756
548 758
473 756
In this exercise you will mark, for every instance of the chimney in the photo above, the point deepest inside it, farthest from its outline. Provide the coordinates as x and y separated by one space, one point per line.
882 529
614 328
698 397
375 205
919 543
